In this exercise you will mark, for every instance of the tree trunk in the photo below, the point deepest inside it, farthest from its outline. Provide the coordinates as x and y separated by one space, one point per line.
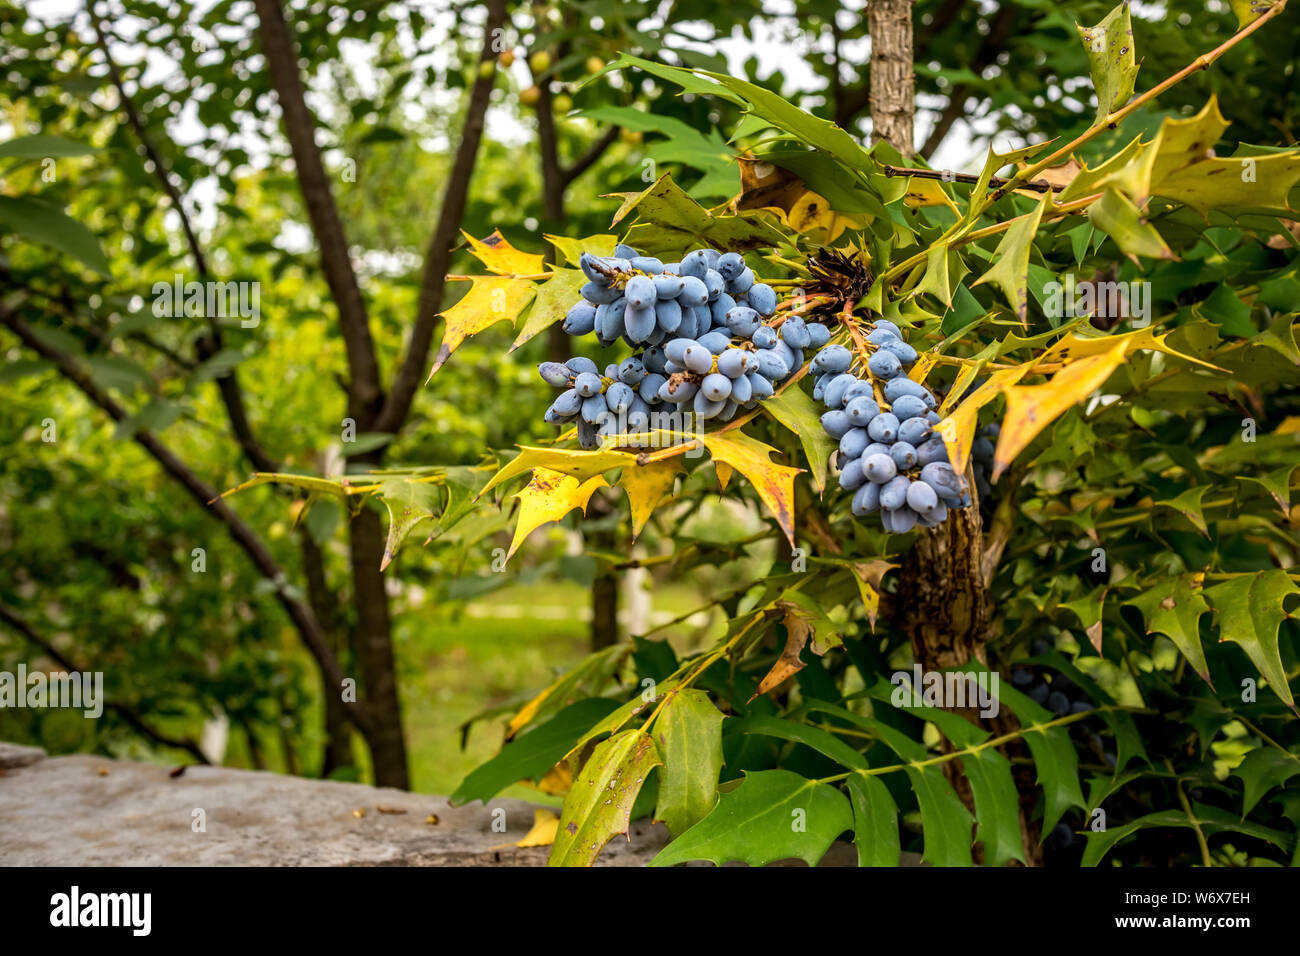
374 649
893 87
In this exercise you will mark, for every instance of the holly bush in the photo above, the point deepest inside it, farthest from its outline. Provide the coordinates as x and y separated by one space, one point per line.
1125 312
1119 592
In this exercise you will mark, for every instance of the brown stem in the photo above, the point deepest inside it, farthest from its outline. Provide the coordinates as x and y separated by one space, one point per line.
948 176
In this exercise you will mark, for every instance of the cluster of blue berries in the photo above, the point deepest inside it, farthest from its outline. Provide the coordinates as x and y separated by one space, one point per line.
706 345
889 456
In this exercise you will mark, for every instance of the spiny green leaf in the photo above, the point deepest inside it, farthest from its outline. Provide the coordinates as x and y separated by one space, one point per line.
1261 771
689 734
1010 271
772 815
1249 610
1174 608
875 821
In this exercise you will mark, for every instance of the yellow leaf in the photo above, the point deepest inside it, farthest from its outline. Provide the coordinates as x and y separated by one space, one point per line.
504 259
926 192
1074 346
868 574
774 483
1031 408
921 369
557 781
646 486
549 497
491 299
958 429
572 249
545 823
574 462
959 385
724 472
811 213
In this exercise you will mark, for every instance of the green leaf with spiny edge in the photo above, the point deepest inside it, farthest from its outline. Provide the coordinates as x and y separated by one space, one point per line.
614 721
1010 271
1277 483
599 803
875 821
944 818
794 409
993 162
554 298
997 807
1174 608
1211 820
409 501
1261 771
530 755
1054 755
1112 60
824 743
688 732
1117 216
773 815
1188 504
1249 611
42 221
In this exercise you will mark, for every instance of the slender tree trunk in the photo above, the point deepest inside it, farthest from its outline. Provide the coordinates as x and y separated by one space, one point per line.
338 730
374 650
893 86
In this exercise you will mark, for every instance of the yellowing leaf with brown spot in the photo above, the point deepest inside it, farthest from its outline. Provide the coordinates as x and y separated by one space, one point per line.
491 299
646 486
811 213
958 429
1074 346
927 192
1031 408
799 629
774 483
923 366
549 497
504 259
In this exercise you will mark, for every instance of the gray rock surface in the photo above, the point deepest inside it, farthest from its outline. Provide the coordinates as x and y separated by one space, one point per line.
92 811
